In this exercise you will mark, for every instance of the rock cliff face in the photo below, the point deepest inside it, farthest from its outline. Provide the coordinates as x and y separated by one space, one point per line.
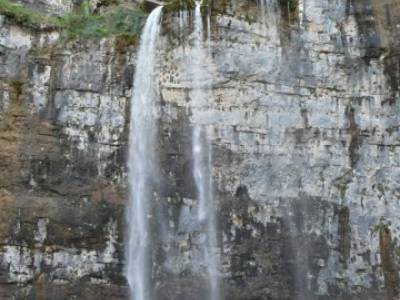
304 123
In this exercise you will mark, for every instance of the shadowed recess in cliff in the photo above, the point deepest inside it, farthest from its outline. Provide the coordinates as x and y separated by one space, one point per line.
142 164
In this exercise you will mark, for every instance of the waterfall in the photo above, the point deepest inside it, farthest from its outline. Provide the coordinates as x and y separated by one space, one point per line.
202 156
142 168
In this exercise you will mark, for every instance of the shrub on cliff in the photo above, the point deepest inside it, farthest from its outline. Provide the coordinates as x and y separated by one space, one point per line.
121 21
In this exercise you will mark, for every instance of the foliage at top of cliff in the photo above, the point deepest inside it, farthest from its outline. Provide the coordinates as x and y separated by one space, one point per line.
22 15
85 22
119 21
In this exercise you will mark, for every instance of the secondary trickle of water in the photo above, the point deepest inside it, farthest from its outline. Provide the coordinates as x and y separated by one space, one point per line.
183 19
209 34
142 158
202 155
269 11
301 12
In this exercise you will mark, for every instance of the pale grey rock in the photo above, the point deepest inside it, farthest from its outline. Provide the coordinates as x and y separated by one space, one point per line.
305 143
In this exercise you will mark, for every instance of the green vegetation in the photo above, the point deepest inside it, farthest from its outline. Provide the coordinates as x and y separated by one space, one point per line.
17 86
380 187
177 5
123 41
343 189
208 3
382 226
289 5
108 2
125 21
121 21
289 9
21 15
16 90
249 19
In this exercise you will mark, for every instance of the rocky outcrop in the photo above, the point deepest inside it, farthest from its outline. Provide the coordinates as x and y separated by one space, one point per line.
304 127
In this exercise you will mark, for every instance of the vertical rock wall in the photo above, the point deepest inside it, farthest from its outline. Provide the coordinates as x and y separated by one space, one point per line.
305 119
305 138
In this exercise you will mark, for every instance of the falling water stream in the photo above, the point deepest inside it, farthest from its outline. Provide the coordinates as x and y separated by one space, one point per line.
143 166
202 156
142 158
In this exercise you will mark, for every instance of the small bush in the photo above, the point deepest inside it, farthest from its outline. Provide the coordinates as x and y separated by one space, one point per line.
382 226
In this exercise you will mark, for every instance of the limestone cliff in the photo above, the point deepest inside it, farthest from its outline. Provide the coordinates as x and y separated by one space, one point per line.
305 139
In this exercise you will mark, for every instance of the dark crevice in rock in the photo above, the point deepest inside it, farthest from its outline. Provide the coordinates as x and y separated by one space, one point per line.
344 234
390 272
355 138
392 72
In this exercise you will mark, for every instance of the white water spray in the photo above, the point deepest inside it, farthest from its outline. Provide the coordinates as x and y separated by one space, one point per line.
141 164
202 155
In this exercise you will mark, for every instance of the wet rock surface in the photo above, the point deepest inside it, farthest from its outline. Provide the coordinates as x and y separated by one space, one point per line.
304 123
